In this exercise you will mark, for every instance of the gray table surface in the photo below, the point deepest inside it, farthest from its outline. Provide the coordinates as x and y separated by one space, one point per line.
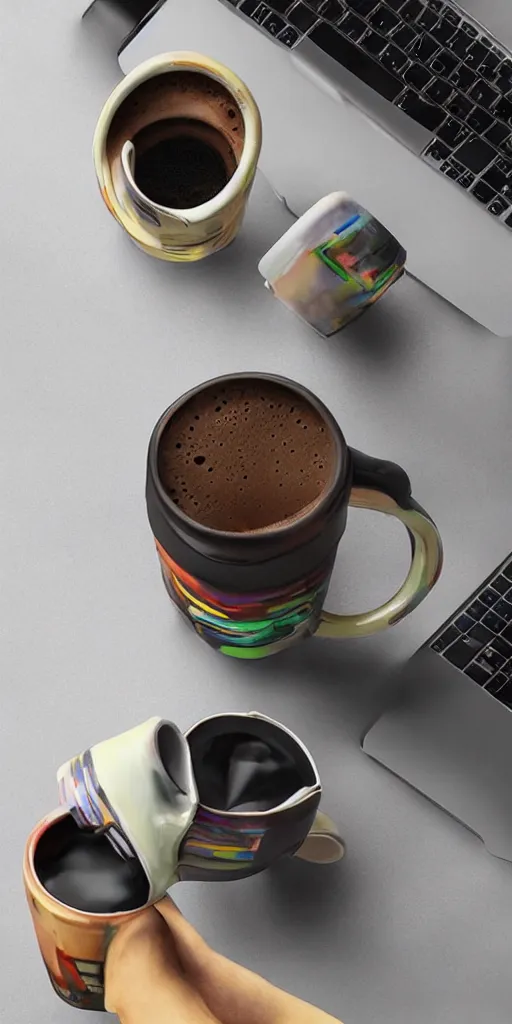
415 924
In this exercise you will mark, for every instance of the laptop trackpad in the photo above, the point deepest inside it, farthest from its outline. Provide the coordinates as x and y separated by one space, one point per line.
452 741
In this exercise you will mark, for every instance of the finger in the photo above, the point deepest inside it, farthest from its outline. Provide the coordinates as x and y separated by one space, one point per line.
192 950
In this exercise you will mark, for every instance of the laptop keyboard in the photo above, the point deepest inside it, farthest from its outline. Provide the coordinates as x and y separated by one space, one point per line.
478 640
428 58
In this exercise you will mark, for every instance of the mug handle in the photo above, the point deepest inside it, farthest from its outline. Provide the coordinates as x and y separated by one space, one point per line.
385 487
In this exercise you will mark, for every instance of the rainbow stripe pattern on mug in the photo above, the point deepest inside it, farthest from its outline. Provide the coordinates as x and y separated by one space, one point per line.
329 273
215 836
247 626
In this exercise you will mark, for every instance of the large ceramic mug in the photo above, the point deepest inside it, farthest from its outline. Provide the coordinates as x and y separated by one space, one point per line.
249 480
151 807
175 150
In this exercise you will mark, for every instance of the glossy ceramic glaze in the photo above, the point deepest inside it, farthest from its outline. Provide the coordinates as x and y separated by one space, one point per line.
253 594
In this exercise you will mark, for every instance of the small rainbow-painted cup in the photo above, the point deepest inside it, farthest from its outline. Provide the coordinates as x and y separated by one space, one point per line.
334 263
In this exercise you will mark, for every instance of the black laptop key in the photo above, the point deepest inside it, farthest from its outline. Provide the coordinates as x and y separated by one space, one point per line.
452 132
443 31
393 59
503 110
494 622
489 66
280 6
427 19
418 76
497 683
362 7
460 43
444 63
249 6
501 584
462 652
423 48
498 206
504 76
411 10
274 24
507 632
481 634
490 659
354 60
351 26
504 609
481 92
439 91
424 113
478 120
288 36
469 29
258 13
507 573
497 180
465 623
463 77
302 17
494 658
504 165
467 180
505 694
477 610
374 43
404 36
450 634
383 19
475 154
395 4
502 646
489 597
475 55
450 171
460 106
332 10
477 673
452 16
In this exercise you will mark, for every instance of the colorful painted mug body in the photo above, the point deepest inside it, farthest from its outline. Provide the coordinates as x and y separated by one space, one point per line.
73 942
175 150
248 484
333 264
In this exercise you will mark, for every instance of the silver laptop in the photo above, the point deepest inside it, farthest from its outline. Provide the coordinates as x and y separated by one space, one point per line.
406 104
448 731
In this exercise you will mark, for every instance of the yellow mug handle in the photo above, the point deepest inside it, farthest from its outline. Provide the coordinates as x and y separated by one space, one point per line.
385 487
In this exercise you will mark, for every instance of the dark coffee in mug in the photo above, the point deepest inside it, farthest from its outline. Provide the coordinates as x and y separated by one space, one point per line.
82 869
248 485
246 456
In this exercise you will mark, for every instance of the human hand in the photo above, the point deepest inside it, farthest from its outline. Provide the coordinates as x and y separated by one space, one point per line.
160 971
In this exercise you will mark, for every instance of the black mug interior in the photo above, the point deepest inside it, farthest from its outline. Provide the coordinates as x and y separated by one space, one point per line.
82 869
244 764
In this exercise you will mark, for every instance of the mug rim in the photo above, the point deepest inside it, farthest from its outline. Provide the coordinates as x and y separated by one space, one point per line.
37 891
316 787
171 62
268 533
